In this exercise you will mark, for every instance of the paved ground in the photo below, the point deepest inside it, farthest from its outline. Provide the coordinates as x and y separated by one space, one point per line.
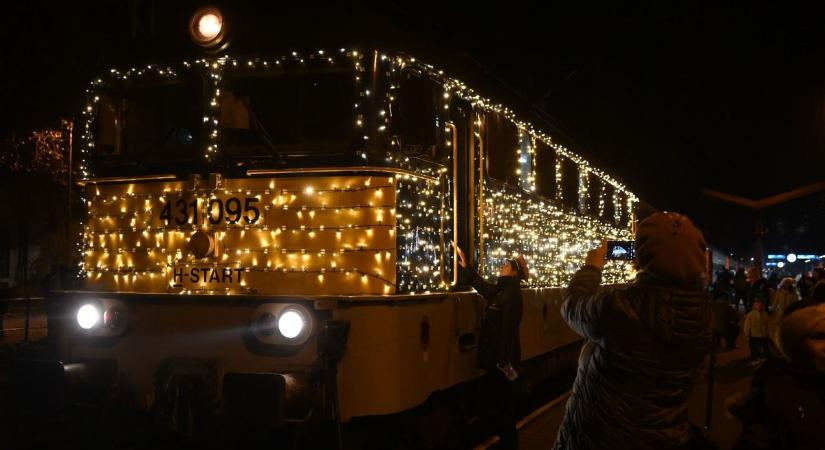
732 375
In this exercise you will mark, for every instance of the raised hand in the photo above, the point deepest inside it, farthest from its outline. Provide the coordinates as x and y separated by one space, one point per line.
596 257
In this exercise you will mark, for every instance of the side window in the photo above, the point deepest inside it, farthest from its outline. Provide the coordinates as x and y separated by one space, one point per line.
502 149
609 205
414 120
595 201
108 126
570 184
545 170
525 161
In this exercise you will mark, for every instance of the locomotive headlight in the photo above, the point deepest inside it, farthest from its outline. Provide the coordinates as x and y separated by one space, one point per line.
282 324
88 316
207 27
291 323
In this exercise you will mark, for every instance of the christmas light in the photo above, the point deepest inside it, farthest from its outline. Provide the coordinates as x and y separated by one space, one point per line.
387 236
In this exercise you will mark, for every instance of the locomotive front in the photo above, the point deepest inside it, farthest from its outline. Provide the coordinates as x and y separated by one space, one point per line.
231 203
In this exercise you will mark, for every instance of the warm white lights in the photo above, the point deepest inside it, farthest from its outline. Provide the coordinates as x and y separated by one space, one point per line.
350 235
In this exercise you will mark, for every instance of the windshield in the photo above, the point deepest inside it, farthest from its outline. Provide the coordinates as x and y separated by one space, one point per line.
288 114
149 126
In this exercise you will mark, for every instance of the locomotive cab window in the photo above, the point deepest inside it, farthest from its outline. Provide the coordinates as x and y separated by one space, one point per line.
287 113
415 117
153 123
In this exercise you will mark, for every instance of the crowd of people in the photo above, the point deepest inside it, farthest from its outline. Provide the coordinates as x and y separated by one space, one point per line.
647 343
764 302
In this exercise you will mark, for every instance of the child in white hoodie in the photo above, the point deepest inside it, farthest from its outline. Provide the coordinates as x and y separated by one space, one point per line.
757 330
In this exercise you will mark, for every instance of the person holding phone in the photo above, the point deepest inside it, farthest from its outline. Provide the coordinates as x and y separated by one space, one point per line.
645 343
499 349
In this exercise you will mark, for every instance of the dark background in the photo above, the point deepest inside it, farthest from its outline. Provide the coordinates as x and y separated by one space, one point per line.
669 100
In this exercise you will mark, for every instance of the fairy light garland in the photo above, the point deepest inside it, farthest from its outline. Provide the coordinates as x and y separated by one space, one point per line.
306 231
419 220
554 242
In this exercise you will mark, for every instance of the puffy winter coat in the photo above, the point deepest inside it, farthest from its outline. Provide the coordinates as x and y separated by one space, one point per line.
499 340
785 409
781 300
645 347
757 324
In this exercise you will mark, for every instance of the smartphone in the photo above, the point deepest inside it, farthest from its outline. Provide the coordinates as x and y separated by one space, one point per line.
621 250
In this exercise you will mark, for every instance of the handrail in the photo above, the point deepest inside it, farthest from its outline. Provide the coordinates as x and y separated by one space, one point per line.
480 196
253 172
454 132
160 177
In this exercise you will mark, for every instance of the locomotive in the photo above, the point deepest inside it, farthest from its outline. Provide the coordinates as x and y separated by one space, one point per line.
266 241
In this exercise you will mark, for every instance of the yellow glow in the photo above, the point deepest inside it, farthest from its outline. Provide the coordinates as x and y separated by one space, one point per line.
209 26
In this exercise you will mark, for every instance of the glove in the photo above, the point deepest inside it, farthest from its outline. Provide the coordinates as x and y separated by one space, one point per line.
508 371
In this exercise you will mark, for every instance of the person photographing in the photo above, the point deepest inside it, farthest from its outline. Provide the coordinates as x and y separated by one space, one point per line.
499 349
645 343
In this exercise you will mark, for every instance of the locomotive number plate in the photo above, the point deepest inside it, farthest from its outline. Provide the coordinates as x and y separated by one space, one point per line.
177 211
207 277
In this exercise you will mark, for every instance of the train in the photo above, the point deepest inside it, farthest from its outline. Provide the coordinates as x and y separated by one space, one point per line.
265 243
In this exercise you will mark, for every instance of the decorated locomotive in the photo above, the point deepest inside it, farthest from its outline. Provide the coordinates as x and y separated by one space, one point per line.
267 239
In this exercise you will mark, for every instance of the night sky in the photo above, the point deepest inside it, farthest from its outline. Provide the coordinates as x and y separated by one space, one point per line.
670 101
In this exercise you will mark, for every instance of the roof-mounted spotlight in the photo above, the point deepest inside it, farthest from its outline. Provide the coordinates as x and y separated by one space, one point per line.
207 27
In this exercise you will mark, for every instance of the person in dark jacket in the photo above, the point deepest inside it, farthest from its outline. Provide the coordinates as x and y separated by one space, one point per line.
785 408
740 285
758 287
806 285
645 343
499 349
726 321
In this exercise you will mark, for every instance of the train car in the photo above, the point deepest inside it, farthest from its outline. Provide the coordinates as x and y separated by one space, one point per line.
266 242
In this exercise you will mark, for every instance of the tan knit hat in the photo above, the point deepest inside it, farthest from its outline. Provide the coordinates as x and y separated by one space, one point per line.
668 245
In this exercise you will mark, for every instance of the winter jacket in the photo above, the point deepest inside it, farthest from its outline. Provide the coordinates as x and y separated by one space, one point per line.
757 324
724 316
781 300
645 347
785 409
499 340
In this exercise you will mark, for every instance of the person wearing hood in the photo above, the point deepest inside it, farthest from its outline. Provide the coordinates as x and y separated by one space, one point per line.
783 298
499 348
785 408
758 287
645 344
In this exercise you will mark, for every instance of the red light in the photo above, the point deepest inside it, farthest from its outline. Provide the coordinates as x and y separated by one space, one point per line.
111 318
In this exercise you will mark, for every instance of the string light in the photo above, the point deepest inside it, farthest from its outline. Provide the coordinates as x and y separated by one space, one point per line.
384 237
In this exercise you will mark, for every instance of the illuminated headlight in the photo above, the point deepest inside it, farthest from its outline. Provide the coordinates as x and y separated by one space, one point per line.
207 27
282 324
88 316
291 323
